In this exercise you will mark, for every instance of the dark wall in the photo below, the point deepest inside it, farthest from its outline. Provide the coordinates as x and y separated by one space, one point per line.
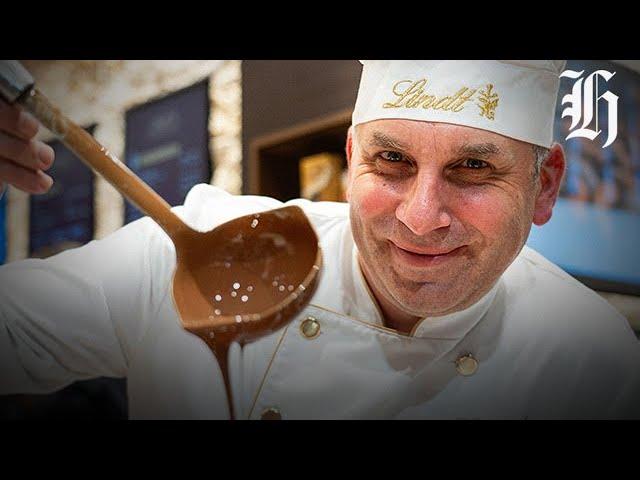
278 94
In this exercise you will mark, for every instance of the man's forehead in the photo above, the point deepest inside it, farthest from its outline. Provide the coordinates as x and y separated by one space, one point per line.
411 135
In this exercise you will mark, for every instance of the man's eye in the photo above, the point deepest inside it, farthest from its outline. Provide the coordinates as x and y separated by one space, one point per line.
474 163
392 156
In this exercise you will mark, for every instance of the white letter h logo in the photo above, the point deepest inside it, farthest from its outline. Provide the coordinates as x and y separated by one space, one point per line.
582 106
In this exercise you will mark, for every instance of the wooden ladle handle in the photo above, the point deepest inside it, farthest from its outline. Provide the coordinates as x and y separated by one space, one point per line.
98 158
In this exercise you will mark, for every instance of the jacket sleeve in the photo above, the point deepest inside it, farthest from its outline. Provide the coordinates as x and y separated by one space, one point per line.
77 315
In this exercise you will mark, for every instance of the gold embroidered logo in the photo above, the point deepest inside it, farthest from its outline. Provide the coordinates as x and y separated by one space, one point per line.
411 94
488 102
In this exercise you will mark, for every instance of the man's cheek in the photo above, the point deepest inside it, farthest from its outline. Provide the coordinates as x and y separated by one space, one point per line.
372 200
489 215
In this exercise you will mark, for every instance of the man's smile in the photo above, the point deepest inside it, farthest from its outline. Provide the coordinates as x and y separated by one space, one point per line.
424 257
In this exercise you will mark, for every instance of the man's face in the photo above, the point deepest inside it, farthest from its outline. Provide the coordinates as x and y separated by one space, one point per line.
438 211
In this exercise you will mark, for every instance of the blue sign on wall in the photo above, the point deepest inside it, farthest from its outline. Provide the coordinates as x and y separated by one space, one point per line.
167 144
63 217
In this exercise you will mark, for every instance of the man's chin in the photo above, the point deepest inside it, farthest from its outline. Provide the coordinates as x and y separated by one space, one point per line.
416 278
425 298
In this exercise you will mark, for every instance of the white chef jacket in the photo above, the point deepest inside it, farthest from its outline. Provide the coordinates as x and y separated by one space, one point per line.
545 346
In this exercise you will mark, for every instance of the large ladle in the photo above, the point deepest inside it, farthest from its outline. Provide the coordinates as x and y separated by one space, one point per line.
243 280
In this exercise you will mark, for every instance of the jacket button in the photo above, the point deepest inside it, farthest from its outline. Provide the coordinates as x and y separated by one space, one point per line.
271 414
310 328
466 365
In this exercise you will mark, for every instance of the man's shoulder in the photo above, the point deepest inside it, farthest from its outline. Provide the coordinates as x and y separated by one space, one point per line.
555 299
536 264
572 335
207 206
323 215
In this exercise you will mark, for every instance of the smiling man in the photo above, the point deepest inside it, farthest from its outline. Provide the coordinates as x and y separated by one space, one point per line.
429 304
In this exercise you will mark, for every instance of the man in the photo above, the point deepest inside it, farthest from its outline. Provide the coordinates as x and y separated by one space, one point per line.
428 305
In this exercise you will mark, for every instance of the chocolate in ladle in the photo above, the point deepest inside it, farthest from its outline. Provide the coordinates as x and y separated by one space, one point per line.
241 281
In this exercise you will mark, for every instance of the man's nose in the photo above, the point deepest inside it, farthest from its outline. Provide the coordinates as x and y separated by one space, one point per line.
424 207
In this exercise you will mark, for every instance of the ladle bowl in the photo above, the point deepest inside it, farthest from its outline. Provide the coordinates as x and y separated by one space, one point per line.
247 277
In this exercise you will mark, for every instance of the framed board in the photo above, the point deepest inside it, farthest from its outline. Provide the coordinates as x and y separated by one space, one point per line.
63 217
167 144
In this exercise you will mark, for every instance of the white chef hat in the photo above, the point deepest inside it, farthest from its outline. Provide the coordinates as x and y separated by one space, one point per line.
515 98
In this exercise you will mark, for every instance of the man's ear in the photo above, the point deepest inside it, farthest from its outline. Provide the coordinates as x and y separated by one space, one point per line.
349 153
349 146
550 179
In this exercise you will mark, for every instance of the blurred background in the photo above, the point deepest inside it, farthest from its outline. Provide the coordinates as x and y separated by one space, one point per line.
278 128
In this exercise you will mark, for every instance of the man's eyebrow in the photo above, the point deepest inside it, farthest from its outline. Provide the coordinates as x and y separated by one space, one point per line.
383 140
479 150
